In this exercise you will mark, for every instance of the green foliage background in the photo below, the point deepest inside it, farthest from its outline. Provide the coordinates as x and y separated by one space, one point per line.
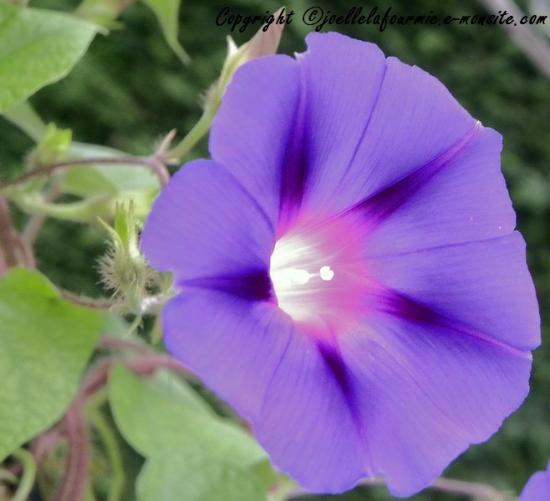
130 89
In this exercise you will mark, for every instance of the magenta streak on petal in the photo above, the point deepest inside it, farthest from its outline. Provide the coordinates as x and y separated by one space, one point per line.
378 207
254 284
344 378
348 385
295 164
407 308
337 367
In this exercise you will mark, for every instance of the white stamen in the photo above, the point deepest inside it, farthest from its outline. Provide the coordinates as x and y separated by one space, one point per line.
326 273
288 277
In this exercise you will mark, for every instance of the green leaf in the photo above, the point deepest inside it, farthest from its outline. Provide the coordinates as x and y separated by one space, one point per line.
106 179
37 47
116 326
194 477
181 420
46 342
166 421
24 116
167 12
102 188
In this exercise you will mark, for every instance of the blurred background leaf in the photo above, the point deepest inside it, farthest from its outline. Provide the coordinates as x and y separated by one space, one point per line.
37 48
167 12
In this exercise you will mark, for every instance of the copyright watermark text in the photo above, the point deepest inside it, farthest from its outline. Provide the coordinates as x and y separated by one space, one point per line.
319 18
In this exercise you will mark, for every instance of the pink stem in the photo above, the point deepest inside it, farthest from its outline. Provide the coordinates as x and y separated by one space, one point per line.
8 237
73 486
154 163
13 249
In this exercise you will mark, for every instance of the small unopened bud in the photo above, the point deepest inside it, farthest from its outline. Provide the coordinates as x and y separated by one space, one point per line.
266 41
123 268
263 43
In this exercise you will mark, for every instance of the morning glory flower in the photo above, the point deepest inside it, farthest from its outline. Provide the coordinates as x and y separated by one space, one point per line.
538 487
349 276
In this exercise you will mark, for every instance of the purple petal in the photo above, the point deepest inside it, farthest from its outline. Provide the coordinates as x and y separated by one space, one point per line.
203 224
306 422
342 80
412 312
538 487
461 200
427 393
234 344
413 121
335 127
377 208
415 384
251 131
305 122
485 285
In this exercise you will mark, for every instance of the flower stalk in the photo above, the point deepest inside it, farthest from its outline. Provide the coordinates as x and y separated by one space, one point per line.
154 163
263 43
110 444
8 238
29 474
75 481
14 250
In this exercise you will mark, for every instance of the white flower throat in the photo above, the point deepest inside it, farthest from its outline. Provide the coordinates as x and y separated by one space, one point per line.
318 273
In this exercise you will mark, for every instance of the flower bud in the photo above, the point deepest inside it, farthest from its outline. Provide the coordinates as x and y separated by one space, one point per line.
123 268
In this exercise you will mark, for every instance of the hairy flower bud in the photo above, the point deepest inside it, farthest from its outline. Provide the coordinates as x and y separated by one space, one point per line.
123 268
